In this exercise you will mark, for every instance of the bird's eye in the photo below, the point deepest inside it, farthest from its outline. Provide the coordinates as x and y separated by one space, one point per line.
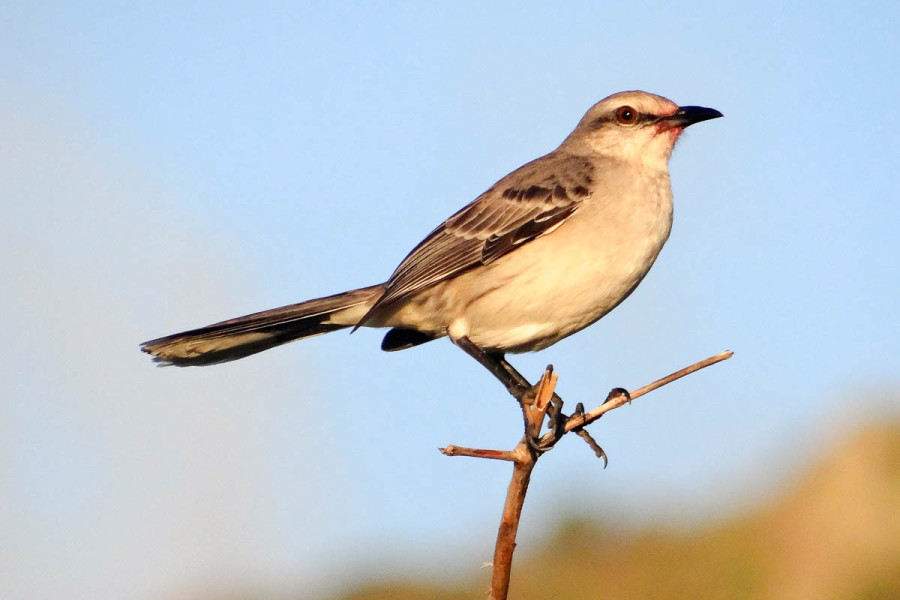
626 115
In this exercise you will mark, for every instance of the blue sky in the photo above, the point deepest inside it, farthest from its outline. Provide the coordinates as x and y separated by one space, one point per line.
165 166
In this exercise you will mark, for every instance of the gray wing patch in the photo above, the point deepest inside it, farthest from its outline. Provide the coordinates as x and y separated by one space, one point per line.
544 222
526 204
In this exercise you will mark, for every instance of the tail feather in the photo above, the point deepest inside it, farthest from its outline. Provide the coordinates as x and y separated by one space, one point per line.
243 336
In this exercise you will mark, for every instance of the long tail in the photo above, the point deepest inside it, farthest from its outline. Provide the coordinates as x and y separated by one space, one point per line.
243 336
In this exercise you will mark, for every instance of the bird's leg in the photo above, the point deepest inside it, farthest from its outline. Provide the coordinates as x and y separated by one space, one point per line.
514 382
554 413
556 418
512 371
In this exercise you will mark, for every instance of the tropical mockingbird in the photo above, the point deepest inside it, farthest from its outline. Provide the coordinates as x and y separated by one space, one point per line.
543 253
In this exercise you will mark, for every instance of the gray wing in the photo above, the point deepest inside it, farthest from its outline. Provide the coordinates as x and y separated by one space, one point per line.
529 202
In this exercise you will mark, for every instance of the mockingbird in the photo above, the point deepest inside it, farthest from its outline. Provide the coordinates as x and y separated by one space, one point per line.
543 253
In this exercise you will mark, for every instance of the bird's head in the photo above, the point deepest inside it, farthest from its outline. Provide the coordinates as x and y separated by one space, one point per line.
635 126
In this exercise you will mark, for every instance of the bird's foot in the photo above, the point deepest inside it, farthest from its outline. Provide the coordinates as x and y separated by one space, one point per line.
524 394
615 393
588 438
556 420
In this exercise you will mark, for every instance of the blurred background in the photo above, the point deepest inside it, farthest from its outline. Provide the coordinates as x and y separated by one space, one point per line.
166 165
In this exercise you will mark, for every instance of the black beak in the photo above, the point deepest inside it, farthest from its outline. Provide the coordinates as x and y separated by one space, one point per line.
688 115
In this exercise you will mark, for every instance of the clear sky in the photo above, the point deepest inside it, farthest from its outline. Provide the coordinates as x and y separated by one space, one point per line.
165 165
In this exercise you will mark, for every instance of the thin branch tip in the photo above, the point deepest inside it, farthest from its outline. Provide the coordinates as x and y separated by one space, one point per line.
526 453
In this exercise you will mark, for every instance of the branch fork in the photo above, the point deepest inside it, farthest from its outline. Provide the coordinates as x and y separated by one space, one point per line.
539 403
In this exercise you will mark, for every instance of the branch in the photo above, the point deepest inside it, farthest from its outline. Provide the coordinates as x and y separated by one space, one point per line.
526 458
452 450
526 453
616 400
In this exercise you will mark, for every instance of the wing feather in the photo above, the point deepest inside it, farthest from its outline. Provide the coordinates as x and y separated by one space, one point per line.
526 204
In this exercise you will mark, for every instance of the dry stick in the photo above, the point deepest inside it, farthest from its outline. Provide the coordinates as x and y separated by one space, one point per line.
509 522
452 450
524 457
589 417
533 413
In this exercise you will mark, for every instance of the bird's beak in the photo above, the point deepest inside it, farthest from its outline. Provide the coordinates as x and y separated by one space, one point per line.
688 115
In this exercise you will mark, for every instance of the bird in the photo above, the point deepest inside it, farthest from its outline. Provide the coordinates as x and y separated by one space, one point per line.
546 251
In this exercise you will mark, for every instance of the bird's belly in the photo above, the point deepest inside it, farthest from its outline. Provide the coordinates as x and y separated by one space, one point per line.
552 286
551 289
544 306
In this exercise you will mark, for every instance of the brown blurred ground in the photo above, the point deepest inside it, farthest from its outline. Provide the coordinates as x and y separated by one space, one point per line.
833 534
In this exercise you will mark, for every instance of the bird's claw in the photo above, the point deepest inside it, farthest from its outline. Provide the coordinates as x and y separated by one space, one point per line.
598 451
616 392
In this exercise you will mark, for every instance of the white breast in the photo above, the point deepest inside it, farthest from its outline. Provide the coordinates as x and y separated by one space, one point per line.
561 282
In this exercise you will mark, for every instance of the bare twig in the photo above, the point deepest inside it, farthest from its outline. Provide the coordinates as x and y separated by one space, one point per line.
589 417
509 522
452 450
526 458
535 412
526 453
